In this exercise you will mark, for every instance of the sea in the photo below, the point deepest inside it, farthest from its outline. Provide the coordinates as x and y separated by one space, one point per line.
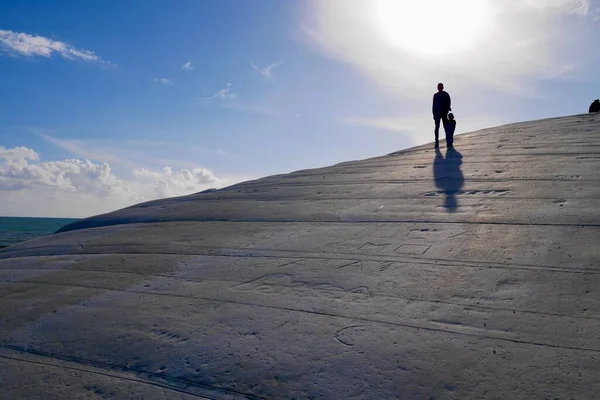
19 229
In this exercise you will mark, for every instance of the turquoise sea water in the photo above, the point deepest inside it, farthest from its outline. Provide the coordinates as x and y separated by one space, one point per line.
18 229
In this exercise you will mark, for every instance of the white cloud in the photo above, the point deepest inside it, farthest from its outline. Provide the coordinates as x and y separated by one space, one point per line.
167 182
31 45
513 40
224 94
76 188
187 66
18 156
163 81
267 71
18 171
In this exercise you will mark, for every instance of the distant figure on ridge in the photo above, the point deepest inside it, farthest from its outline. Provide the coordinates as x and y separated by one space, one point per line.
595 106
450 128
440 109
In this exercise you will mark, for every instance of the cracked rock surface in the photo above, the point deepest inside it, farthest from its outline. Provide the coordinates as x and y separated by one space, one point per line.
464 274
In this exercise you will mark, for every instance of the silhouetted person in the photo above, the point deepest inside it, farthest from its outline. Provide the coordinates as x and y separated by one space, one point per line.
448 176
440 109
450 128
595 106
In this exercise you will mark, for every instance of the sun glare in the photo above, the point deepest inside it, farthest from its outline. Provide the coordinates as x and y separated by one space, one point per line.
432 27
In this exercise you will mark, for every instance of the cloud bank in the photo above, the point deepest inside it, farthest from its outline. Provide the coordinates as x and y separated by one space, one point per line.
24 44
77 188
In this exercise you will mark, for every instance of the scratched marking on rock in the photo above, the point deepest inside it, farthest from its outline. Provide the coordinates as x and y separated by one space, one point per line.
286 285
373 247
412 249
426 233
468 233
295 263
355 264
346 335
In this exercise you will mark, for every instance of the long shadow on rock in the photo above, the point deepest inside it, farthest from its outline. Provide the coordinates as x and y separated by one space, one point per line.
448 176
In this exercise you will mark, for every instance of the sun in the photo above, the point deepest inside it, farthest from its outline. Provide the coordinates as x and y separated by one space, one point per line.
432 27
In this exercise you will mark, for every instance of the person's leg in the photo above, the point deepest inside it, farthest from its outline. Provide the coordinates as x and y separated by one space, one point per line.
445 123
436 119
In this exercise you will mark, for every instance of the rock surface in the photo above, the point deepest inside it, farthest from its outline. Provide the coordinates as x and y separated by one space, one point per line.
465 274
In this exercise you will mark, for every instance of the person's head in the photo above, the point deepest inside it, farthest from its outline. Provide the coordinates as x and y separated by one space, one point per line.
451 116
440 87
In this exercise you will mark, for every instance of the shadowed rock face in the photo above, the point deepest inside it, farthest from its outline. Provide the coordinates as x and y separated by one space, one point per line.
459 275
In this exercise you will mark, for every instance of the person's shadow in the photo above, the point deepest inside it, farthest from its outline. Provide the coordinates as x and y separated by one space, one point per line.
448 176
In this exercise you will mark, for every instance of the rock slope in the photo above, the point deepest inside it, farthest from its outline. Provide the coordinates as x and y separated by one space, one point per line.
463 274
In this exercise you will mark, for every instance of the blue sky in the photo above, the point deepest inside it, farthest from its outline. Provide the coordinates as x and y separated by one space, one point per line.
105 104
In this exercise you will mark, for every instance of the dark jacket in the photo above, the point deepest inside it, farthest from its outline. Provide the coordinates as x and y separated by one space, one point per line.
441 103
595 106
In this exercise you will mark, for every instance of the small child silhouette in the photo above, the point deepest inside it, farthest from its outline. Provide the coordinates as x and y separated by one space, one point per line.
450 128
